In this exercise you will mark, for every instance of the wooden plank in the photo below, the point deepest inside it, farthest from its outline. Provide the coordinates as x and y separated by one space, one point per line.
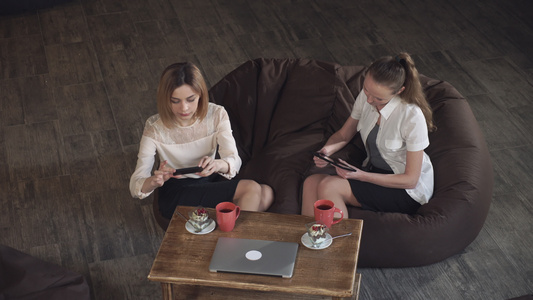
84 108
33 151
65 24
72 63
22 56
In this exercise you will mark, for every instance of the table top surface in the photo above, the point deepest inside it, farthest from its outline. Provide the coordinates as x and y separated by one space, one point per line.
183 257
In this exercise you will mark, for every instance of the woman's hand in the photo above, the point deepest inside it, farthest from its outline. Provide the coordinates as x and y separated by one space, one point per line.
349 174
320 162
211 166
162 174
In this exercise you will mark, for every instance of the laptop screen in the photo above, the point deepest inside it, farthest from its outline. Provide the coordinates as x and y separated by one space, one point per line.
254 257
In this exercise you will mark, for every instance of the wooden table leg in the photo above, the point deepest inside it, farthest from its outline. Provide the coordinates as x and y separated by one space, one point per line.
357 283
167 291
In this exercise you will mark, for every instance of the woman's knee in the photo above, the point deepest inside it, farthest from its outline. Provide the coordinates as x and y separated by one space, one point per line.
267 193
267 197
314 178
247 186
248 195
337 188
312 182
331 185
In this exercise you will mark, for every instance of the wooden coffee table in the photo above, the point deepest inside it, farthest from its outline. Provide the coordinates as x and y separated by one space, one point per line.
182 263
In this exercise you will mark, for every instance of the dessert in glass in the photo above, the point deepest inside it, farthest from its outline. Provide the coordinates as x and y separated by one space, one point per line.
317 232
199 218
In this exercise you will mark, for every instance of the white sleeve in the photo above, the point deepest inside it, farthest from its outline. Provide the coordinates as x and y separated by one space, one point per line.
227 146
357 109
143 170
414 130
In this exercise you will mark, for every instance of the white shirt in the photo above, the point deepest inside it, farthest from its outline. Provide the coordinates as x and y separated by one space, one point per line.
402 128
183 147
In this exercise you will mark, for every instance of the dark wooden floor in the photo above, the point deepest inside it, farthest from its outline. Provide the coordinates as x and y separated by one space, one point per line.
77 82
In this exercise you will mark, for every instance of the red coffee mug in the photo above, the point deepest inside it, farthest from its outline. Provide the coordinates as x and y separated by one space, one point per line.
324 212
227 214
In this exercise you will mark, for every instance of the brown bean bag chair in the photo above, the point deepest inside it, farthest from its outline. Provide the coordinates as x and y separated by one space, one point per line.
463 190
25 277
281 109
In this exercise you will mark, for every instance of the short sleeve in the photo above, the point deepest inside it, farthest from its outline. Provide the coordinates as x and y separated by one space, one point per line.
357 109
415 130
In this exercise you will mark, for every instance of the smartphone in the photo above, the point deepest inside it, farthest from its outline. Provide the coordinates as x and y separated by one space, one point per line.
333 162
188 170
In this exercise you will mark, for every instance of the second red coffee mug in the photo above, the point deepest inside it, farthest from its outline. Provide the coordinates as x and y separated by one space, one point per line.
324 212
227 214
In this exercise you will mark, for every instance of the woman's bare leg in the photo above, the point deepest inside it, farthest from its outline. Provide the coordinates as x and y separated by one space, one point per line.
310 193
267 197
338 190
253 196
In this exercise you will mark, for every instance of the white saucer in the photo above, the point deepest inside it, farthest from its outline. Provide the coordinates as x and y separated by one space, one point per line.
306 241
206 230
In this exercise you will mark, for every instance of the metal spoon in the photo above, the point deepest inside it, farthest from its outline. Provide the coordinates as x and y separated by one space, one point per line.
182 216
338 236
342 235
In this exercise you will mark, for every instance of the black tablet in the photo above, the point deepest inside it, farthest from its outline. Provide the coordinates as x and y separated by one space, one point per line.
188 170
333 162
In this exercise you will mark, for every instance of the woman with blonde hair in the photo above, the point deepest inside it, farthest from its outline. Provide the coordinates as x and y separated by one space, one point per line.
189 131
394 118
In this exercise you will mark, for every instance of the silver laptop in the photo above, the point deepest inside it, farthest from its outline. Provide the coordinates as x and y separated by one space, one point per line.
254 257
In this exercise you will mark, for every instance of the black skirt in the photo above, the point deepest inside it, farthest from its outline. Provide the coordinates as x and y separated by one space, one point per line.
205 191
378 198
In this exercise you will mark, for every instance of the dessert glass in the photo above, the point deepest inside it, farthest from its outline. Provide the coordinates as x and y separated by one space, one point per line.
317 232
199 218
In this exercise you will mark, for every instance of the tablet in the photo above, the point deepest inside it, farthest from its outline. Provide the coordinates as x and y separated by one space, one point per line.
330 160
188 170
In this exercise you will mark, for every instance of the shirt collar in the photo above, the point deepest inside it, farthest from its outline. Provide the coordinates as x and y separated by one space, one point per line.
389 107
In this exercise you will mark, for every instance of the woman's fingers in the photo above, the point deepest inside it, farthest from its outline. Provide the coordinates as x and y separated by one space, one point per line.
341 172
161 173
205 161
163 167
208 163
157 180
344 163
164 173
319 162
210 166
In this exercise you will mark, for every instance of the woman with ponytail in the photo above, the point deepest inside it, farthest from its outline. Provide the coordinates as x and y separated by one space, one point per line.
394 118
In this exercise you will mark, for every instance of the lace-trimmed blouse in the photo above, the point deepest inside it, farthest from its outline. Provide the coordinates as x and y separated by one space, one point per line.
183 147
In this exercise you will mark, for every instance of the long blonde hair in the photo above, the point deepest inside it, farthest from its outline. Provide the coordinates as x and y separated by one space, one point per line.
172 78
400 71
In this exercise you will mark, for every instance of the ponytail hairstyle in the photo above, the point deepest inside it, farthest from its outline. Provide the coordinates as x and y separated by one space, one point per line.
399 72
172 78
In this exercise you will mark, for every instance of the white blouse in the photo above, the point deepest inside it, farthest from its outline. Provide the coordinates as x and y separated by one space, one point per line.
183 147
402 128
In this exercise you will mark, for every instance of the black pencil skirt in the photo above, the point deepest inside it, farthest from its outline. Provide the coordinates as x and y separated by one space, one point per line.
378 198
205 191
